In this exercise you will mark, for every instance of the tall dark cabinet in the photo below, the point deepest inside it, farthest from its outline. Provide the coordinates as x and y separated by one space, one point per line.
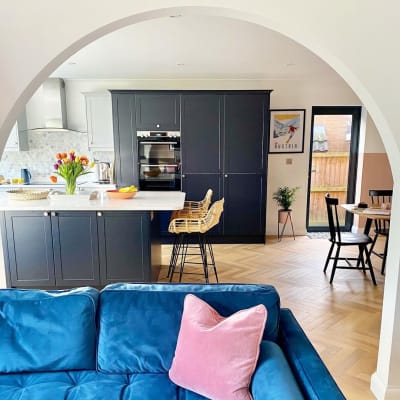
223 144
224 148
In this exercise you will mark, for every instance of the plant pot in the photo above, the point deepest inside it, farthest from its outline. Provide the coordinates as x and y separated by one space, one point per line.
282 215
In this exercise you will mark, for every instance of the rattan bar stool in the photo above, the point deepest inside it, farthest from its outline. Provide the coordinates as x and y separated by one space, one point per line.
191 209
184 228
194 209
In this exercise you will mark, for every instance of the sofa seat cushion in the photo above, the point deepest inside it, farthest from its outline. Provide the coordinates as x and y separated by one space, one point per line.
86 385
139 323
272 381
47 330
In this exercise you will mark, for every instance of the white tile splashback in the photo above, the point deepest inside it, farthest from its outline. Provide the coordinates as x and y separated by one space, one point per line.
40 158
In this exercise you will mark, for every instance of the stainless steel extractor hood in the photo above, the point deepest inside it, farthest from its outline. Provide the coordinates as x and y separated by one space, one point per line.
46 110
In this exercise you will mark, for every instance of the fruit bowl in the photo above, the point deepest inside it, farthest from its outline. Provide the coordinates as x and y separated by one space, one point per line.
115 194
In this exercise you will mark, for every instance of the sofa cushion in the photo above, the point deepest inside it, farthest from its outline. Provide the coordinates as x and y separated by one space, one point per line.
139 323
217 356
86 385
47 331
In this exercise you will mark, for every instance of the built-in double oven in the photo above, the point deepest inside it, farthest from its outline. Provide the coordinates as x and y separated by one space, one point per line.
159 160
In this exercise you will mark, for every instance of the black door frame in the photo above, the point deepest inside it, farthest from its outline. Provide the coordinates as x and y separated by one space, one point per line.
355 112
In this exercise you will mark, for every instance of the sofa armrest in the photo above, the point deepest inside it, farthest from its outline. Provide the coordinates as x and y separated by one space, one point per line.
273 378
313 377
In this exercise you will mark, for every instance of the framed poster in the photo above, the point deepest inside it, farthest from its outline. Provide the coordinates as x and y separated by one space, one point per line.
286 131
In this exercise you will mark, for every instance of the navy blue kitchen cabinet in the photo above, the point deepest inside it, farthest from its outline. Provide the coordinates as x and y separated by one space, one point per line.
63 249
201 133
244 207
28 249
223 134
49 249
124 238
75 246
157 111
124 129
246 118
224 138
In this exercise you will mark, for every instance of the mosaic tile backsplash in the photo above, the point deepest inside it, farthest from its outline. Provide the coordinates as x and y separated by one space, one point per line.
43 147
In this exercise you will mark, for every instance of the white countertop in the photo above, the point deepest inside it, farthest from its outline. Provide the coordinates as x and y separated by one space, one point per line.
57 186
143 201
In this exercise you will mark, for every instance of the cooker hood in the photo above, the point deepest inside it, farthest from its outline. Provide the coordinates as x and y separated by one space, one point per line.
46 110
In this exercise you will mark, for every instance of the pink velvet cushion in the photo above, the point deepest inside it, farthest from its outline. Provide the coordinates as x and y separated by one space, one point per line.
216 356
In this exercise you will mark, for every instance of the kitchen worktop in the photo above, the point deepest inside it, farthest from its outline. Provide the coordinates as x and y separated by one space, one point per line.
143 201
56 186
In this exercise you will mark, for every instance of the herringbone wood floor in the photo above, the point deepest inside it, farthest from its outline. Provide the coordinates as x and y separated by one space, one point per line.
341 320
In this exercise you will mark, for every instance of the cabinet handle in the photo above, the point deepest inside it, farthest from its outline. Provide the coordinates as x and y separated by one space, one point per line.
99 214
53 213
226 175
157 125
183 176
46 214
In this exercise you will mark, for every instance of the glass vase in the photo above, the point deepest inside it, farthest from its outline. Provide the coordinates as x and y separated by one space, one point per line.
70 186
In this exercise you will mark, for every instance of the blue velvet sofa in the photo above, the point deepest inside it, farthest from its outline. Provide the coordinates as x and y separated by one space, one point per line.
118 344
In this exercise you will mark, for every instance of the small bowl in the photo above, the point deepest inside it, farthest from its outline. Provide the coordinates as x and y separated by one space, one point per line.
115 194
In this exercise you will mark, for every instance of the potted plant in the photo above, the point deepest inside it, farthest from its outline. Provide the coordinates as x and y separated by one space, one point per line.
285 197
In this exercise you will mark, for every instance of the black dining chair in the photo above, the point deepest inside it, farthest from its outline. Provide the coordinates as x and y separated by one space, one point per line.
379 197
346 239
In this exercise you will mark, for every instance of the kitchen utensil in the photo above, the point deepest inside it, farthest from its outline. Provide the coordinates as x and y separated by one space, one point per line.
26 176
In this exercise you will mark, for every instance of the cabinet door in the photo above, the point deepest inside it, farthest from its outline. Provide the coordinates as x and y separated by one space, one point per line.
201 133
157 111
244 208
99 121
76 248
30 249
125 240
245 132
124 128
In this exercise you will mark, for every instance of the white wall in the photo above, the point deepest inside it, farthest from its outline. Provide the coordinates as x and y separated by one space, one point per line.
286 94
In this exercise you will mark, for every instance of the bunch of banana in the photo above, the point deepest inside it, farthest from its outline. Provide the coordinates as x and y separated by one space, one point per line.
128 189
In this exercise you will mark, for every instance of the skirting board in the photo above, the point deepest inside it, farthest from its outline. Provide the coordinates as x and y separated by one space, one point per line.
383 392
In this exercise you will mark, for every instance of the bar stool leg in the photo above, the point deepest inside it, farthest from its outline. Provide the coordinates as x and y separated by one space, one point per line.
203 252
172 261
210 250
185 245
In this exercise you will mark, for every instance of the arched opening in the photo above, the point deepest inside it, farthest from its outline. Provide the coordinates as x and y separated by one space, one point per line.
379 117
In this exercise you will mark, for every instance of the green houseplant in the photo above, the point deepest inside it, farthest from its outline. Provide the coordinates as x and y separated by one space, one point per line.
285 196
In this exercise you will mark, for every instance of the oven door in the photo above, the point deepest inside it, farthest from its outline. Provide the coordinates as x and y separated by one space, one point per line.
159 165
159 177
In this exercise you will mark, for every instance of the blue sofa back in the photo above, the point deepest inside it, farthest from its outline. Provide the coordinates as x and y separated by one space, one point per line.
47 331
139 323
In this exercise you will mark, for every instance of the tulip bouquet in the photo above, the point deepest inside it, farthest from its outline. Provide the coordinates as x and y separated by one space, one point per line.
69 166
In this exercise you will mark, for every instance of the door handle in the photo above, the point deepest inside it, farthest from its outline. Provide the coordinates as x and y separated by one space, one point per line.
45 214
53 213
99 214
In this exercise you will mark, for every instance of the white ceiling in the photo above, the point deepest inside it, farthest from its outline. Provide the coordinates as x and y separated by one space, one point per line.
208 48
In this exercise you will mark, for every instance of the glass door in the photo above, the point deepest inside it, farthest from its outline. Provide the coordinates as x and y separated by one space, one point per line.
333 162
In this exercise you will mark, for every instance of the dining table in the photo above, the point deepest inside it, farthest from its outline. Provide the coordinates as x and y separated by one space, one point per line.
371 214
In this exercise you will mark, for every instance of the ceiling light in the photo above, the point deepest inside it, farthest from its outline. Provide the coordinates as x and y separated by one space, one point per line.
175 16
180 64
71 63
290 64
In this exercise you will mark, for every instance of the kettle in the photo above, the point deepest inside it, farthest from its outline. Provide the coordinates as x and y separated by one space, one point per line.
26 176
103 172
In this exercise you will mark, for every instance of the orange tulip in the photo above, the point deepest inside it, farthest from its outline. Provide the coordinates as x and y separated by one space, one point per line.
53 179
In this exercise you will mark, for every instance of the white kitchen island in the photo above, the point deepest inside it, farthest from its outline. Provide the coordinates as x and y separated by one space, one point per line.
73 241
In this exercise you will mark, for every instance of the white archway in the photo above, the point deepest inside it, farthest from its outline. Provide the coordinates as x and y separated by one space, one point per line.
309 24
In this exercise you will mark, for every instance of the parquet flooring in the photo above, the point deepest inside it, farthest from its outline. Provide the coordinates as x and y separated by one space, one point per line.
341 320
